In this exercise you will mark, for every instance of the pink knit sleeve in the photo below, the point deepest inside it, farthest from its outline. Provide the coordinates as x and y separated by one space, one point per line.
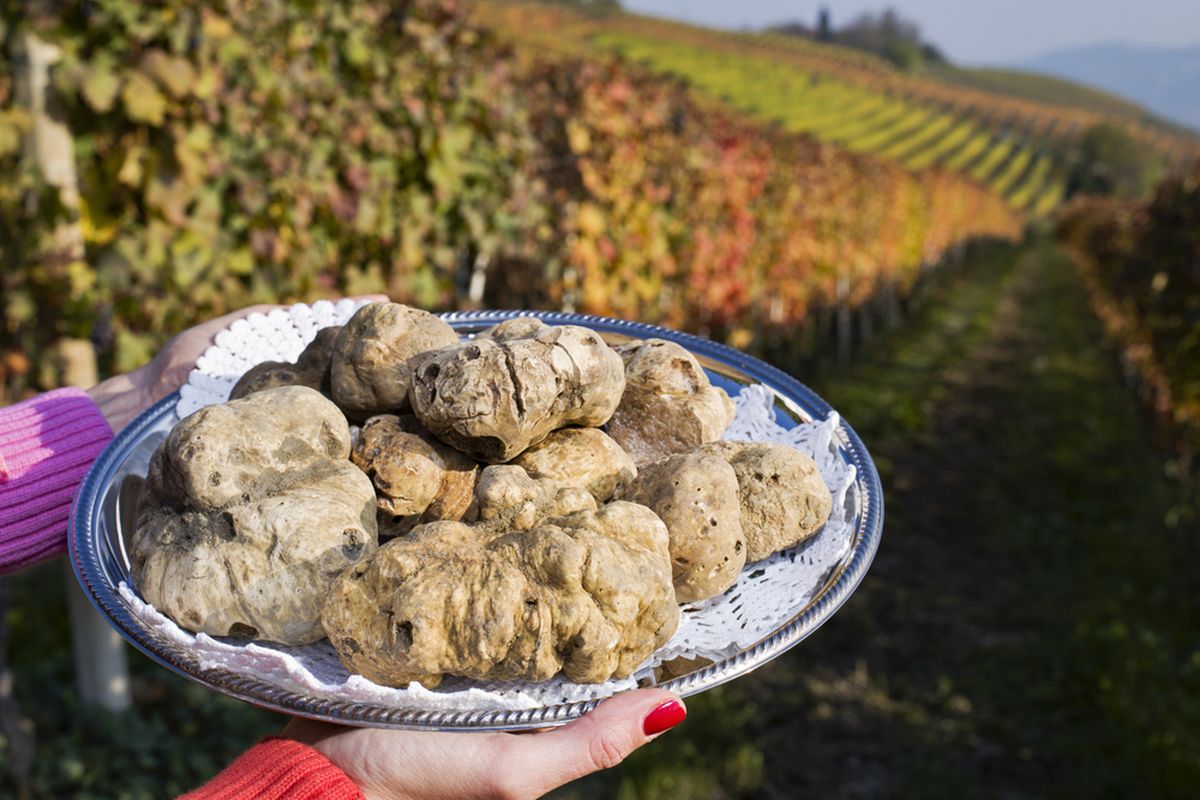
46 446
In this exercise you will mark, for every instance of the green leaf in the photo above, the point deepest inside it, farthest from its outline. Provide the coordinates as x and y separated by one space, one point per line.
192 151
208 81
190 256
133 350
14 123
355 50
143 101
100 86
240 261
20 307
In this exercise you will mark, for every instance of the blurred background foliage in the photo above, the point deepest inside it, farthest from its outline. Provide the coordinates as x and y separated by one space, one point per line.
233 153
273 151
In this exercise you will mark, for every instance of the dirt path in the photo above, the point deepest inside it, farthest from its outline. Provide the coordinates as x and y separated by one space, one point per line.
1026 630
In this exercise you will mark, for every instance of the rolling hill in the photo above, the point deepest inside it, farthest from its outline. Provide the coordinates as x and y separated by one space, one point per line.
1011 132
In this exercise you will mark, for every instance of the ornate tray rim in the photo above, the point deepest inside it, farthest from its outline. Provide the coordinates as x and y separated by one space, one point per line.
102 592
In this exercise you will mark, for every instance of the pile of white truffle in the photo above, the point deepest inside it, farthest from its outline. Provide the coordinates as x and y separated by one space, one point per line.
528 502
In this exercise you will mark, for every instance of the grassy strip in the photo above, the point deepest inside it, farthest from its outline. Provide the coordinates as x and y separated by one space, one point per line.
968 154
938 151
1033 184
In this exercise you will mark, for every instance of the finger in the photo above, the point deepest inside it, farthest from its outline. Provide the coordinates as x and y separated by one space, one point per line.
600 740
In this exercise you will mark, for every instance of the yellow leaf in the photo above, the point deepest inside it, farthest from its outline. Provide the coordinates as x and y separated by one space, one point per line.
216 27
95 232
100 87
207 83
578 137
174 74
14 123
81 277
131 171
240 261
591 220
143 101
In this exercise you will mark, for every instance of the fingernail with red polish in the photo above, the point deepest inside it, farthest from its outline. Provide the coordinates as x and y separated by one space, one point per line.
663 718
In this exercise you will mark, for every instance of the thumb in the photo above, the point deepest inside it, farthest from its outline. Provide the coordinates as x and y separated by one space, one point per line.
600 740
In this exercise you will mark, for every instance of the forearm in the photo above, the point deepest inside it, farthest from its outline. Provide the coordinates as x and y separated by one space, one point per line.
275 769
46 446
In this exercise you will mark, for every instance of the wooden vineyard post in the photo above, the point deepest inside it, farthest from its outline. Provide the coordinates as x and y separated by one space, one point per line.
101 668
101 671
843 322
808 343
478 281
48 143
866 320
891 305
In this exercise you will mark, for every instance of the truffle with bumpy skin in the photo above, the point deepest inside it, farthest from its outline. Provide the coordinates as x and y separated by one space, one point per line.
589 594
585 457
311 369
696 496
417 478
669 406
515 328
249 511
782 496
371 373
493 397
508 499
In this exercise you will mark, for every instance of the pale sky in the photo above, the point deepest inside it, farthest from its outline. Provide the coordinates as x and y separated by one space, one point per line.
992 32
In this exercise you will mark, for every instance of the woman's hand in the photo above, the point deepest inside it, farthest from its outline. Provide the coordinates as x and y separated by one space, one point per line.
123 397
413 765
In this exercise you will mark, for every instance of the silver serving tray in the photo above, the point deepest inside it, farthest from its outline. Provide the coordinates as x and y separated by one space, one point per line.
103 514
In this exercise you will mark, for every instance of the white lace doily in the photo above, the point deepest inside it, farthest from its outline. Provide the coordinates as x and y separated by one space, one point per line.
767 595
277 336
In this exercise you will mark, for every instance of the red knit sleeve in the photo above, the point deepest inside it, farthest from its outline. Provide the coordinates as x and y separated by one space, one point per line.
46 446
278 769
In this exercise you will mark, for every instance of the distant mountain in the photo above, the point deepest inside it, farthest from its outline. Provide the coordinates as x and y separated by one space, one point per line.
1164 80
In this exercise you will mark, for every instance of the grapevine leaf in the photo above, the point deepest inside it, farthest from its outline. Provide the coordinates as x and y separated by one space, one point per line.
143 102
174 74
14 124
100 86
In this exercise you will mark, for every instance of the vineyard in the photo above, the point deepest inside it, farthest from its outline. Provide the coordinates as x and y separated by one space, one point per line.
1021 148
1140 262
206 183
861 119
